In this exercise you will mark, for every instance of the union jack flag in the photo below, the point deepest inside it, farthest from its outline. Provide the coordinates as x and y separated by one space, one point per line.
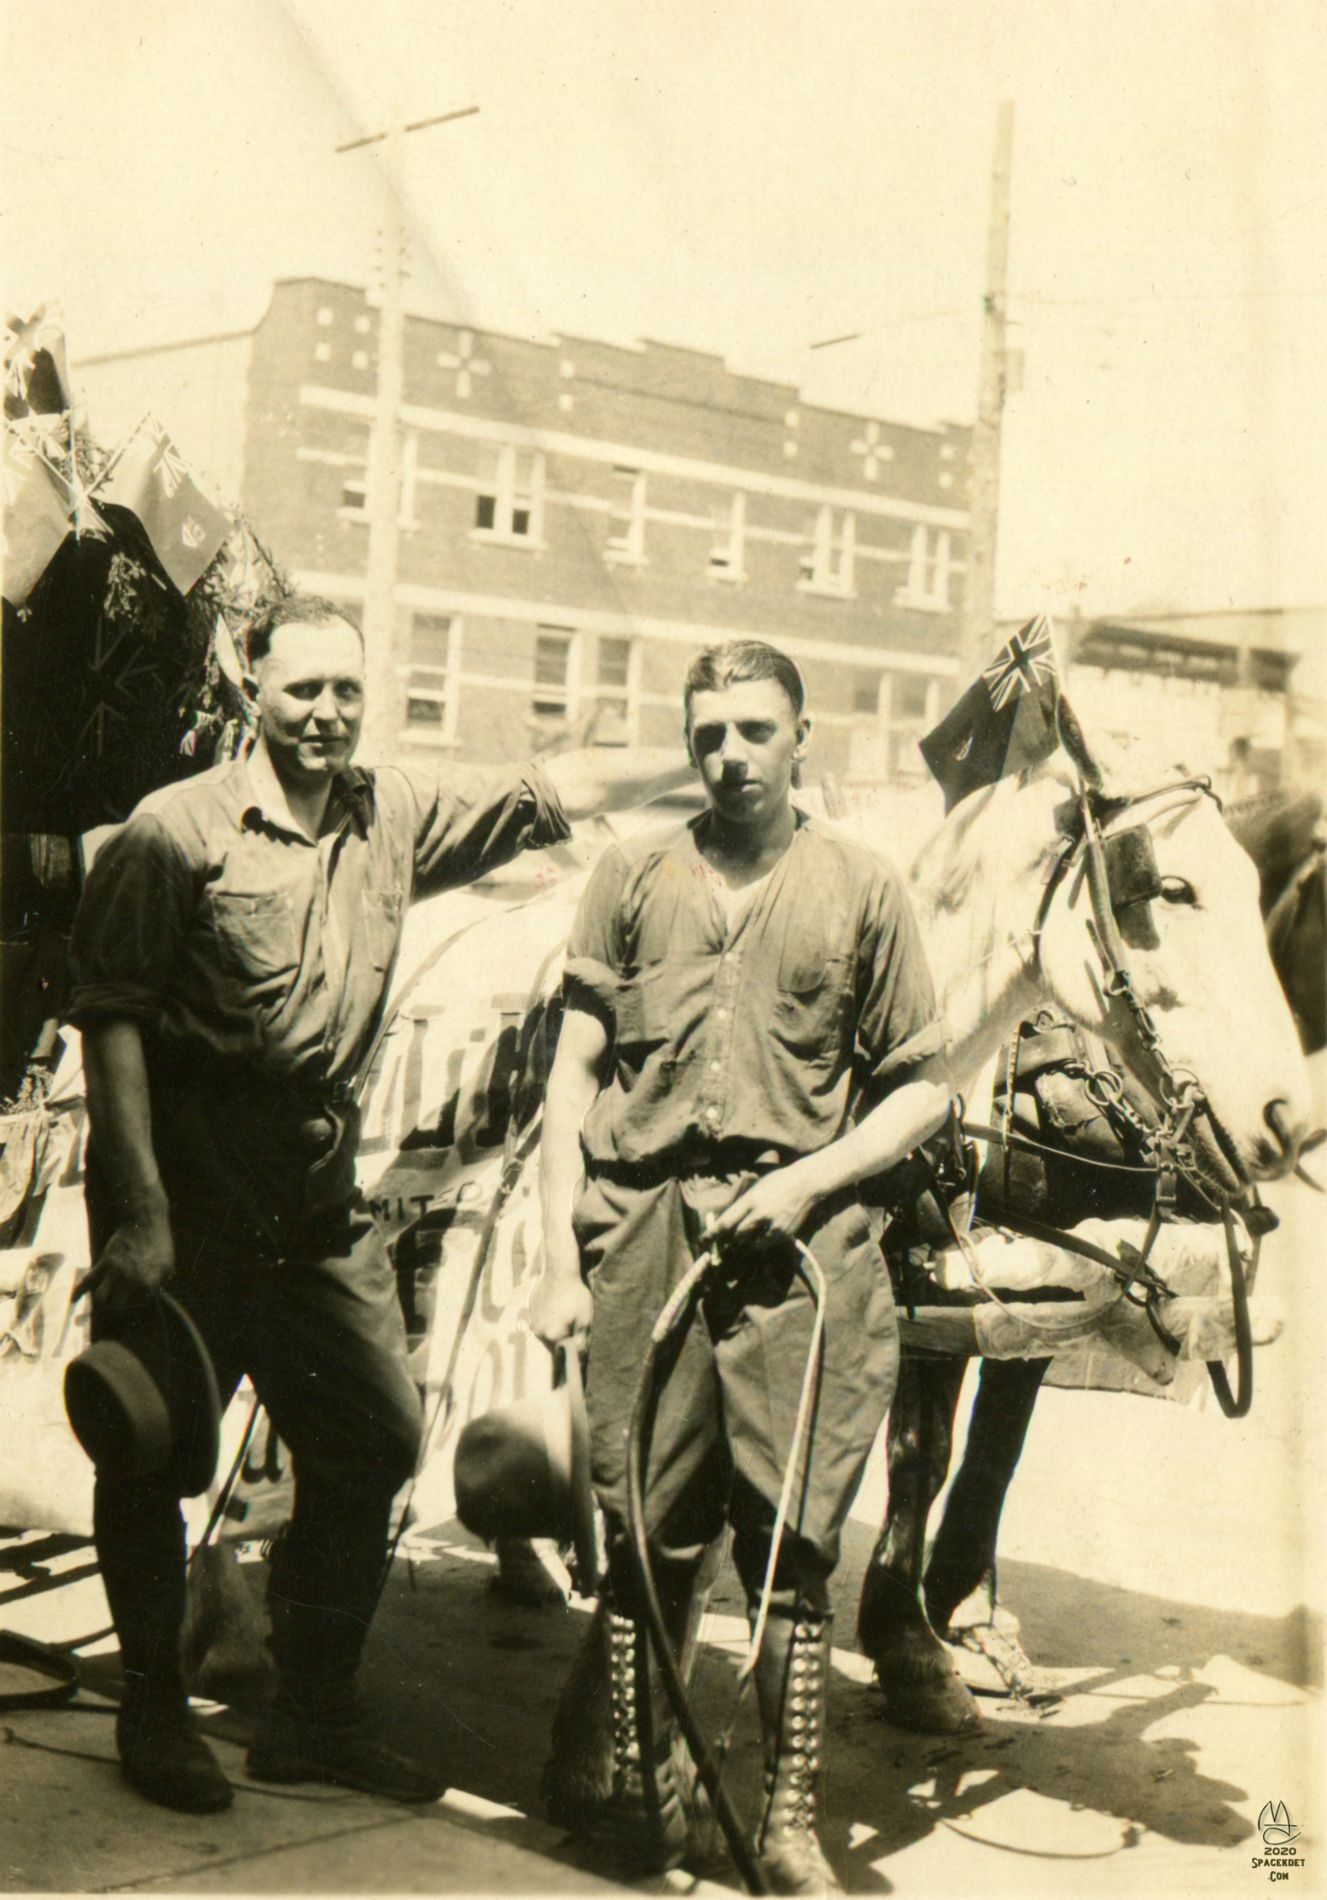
1027 661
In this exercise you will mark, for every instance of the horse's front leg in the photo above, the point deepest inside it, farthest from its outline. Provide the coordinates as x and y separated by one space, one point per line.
963 1556
916 1673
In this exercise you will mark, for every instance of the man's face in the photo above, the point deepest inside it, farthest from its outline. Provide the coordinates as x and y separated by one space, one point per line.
311 700
745 739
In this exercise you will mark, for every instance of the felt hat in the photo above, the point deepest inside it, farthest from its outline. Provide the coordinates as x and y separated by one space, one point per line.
524 1471
143 1401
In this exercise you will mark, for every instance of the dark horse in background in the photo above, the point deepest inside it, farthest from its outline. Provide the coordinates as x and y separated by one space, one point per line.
1284 835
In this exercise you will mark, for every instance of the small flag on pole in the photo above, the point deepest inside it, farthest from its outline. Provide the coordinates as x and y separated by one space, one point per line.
149 476
1004 722
35 518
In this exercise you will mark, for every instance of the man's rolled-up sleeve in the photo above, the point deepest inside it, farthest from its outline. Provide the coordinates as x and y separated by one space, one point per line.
469 821
590 976
131 920
898 1029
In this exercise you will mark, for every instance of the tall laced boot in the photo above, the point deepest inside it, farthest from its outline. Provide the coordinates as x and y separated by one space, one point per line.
790 1678
643 1824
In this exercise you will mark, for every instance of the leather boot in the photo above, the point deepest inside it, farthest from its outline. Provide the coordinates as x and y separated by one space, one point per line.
790 1679
315 1729
140 1545
643 1823
162 1755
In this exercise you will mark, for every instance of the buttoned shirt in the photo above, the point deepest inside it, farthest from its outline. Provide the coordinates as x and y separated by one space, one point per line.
772 1028
215 922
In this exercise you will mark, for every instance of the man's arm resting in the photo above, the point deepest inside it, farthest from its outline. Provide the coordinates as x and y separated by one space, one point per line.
139 1255
560 1303
782 1202
599 778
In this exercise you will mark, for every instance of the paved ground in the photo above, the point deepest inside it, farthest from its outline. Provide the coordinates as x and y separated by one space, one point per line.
1166 1566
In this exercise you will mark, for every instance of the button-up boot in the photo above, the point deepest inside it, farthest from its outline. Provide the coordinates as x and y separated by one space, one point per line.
790 1678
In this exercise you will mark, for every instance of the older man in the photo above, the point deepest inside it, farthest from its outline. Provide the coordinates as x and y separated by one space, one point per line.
748 1034
230 962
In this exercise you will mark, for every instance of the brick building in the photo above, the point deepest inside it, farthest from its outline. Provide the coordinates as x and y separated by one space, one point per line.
576 518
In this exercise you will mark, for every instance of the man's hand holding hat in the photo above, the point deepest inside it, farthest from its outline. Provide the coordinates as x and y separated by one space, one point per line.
136 1261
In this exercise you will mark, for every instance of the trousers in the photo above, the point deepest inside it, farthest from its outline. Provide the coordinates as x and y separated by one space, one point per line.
322 1337
724 1426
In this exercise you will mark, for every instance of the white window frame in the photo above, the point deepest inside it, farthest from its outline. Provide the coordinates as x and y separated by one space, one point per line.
509 498
828 567
570 691
930 563
728 557
407 500
627 696
626 548
426 681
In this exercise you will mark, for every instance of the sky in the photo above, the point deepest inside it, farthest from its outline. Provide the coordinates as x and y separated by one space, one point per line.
755 179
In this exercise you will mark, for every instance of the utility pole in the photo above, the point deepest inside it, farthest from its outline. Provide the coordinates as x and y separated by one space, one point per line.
977 619
383 660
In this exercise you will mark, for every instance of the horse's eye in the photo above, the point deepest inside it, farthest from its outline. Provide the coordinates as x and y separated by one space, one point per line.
1178 890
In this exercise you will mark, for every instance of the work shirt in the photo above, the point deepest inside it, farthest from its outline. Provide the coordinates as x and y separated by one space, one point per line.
769 1030
256 962
229 934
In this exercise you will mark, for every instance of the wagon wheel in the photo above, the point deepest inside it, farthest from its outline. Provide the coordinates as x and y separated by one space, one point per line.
1235 1404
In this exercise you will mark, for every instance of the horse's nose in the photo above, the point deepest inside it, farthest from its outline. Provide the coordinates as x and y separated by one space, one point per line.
1288 1130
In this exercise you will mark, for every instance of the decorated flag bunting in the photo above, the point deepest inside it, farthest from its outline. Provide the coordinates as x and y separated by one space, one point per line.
150 477
1004 722
35 517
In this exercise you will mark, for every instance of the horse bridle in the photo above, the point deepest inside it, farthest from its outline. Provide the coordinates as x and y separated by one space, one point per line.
1126 881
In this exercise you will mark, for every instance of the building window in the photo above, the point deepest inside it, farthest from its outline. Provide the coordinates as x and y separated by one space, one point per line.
355 480
728 553
868 739
359 359
555 676
615 691
626 538
324 315
826 567
511 509
322 352
927 584
913 706
865 693
430 701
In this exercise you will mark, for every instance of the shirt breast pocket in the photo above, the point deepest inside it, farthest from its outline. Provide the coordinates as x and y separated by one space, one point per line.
382 912
809 1002
255 933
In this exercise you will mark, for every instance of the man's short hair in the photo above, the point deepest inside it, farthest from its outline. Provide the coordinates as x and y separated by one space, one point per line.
310 610
734 661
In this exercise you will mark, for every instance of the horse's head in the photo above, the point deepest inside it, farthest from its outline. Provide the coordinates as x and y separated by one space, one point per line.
1182 897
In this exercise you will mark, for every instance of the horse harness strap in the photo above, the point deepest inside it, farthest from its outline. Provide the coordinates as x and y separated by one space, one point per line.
1122 880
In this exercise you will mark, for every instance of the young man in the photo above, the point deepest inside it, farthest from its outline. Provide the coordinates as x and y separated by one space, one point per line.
749 1033
230 961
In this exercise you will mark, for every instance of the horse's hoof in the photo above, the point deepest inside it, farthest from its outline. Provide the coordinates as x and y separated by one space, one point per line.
924 1692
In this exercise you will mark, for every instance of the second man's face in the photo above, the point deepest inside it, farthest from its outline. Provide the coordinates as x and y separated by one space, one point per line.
745 740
